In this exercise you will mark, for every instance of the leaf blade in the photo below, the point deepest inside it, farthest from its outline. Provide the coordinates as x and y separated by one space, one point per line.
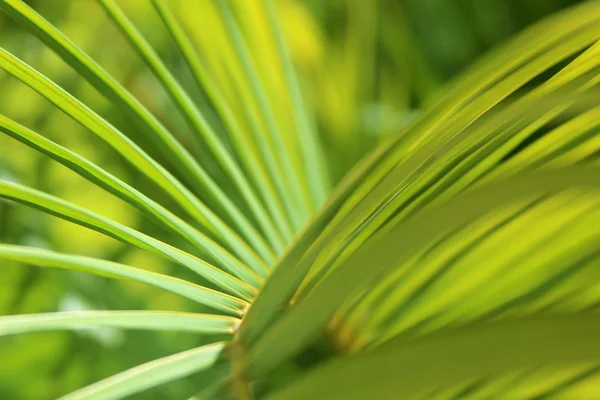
136 156
112 184
151 374
399 244
152 320
63 209
244 145
405 367
201 126
47 258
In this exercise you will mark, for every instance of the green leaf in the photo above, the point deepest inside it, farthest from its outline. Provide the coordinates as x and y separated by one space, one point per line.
227 160
546 44
556 256
125 102
384 252
410 153
558 381
394 272
129 150
244 146
405 367
46 258
63 209
468 168
289 181
462 160
152 320
112 184
151 374
202 127
312 152
288 273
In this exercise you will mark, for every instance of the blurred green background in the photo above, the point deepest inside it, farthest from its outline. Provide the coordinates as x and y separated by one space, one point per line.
368 67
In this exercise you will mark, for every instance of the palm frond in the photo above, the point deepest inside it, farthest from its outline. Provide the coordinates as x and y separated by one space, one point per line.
46 258
191 322
457 259
151 374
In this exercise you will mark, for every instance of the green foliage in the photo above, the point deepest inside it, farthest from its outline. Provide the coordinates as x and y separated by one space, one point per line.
286 200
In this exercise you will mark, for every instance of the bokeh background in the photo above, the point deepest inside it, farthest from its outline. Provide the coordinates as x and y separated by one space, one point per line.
368 67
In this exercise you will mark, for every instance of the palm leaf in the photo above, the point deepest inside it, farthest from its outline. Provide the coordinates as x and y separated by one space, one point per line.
242 144
82 114
151 374
405 368
291 186
384 252
458 259
71 212
17 324
46 258
201 126
114 185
